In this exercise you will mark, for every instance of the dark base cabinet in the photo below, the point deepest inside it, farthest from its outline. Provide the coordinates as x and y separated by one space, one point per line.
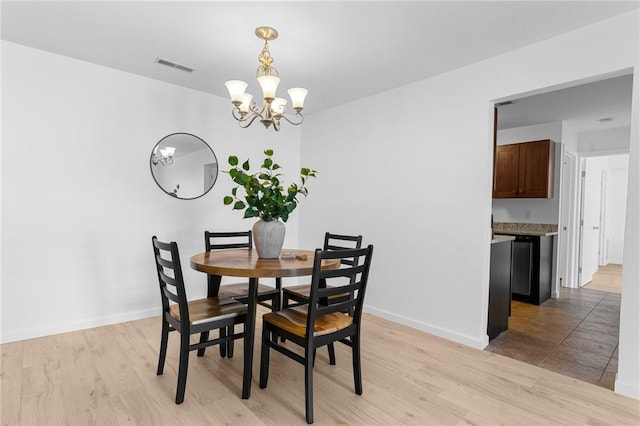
532 259
499 289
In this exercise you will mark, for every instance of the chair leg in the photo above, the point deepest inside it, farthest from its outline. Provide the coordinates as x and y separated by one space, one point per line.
163 346
230 332
308 385
204 336
182 369
284 304
332 354
223 346
357 371
276 303
264 358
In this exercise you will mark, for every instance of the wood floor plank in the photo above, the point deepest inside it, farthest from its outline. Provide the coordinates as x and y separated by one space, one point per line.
11 382
107 376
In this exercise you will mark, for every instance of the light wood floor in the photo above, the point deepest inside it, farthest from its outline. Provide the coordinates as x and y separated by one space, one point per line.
608 278
106 376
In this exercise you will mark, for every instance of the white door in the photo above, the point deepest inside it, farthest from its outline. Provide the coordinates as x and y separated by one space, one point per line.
566 241
590 219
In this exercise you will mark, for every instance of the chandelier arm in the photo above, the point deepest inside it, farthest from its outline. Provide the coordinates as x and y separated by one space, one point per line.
235 113
299 115
249 122
253 107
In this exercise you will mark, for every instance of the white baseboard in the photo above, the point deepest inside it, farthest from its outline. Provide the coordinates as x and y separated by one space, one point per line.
632 390
478 343
50 329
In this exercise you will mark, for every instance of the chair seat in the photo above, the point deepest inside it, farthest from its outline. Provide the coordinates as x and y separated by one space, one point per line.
294 320
240 290
211 308
304 292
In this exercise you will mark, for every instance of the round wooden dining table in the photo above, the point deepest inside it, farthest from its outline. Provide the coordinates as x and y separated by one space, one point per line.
246 263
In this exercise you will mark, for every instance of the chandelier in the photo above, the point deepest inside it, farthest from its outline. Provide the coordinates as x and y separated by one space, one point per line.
164 156
246 110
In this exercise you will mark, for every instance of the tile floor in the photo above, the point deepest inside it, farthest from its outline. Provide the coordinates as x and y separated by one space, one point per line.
575 335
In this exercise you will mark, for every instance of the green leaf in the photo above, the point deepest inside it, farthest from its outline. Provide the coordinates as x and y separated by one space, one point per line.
244 179
239 205
305 171
246 166
228 200
250 212
268 162
268 152
233 160
234 191
233 173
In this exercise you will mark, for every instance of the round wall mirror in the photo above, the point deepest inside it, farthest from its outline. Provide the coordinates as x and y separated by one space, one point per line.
184 166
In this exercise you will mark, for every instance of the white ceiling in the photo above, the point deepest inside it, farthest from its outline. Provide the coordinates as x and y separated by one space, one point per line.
581 106
340 51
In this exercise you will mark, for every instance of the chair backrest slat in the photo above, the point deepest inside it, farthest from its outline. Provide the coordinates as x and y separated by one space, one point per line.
357 275
232 240
342 242
170 277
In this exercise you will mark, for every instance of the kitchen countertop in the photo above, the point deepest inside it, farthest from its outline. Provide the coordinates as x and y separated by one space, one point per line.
529 229
502 238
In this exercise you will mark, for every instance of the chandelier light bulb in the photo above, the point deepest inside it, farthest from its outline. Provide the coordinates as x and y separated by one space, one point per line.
297 95
167 152
236 89
269 85
277 106
246 102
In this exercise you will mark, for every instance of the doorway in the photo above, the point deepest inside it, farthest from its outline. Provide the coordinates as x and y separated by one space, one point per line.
576 332
603 181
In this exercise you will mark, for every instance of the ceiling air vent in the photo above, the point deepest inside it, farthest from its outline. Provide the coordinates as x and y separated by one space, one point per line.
173 65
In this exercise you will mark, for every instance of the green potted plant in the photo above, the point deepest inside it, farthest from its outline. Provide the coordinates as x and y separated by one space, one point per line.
265 197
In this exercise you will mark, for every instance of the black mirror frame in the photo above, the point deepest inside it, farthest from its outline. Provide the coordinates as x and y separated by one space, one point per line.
151 166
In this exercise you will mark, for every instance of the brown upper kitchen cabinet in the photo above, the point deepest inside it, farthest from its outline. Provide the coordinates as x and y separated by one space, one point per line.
524 170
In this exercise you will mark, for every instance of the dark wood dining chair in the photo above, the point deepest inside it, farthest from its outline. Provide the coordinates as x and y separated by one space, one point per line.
299 294
268 296
319 323
191 317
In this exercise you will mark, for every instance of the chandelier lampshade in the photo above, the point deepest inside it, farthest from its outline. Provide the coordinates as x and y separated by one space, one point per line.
163 156
273 108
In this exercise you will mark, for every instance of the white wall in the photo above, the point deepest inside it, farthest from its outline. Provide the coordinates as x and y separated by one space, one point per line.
77 222
628 377
610 141
414 178
531 210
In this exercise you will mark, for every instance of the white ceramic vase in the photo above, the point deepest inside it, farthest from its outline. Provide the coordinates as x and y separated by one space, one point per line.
268 238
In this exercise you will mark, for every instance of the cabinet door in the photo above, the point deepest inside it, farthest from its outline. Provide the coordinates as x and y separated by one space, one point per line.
536 169
522 268
505 175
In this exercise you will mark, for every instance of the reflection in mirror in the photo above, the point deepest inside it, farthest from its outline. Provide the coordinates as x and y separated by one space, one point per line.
184 166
